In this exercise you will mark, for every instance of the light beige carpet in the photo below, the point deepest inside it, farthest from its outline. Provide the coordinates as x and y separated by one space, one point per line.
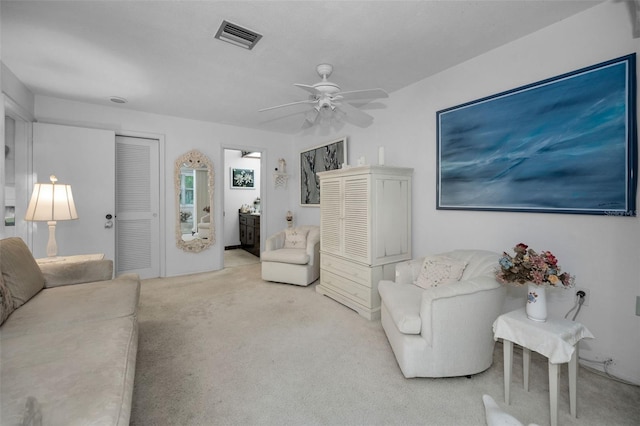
227 348
239 257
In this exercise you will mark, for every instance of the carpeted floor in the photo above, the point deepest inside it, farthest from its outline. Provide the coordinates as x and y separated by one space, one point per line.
239 257
226 348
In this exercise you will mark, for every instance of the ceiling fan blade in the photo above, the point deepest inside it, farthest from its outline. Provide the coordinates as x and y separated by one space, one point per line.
355 116
309 101
311 119
357 95
308 88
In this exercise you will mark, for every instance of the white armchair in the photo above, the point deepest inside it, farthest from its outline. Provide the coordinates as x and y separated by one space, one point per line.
204 226
443 331
291 265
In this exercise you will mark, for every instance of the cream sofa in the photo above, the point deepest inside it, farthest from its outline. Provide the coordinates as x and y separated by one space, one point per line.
68 341
299 266
443 331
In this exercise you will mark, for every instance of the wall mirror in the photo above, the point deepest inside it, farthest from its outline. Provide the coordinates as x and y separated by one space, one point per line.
194 201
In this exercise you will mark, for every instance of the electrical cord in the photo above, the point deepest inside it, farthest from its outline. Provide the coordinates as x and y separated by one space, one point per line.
579 302
605 364
580 295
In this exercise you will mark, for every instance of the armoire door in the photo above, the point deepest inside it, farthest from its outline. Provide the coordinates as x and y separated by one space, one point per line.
84 159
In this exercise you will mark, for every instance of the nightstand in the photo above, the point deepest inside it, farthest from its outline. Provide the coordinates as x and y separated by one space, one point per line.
556 339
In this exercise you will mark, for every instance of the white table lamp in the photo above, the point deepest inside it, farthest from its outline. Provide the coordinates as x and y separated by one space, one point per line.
51 202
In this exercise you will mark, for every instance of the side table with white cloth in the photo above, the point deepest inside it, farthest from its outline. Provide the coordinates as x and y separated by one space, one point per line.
556 339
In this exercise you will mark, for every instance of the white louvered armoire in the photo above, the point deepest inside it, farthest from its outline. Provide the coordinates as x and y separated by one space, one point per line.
365 229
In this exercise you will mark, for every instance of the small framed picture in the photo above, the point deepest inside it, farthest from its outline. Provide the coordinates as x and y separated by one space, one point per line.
242 179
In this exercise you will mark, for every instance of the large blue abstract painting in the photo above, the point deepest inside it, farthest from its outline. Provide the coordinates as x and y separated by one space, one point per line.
563 145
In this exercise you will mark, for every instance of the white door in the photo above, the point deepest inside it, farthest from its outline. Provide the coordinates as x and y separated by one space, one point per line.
84 159
137 206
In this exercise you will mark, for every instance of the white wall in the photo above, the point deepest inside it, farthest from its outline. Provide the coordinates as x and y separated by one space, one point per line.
180 136
235 198
14 89
602 251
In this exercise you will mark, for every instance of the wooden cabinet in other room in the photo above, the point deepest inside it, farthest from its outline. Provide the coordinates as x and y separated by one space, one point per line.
250 233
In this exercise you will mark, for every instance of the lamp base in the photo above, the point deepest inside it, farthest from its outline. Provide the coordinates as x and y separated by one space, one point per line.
52 246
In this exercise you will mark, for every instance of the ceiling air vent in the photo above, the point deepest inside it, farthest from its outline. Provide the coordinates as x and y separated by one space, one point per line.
237 35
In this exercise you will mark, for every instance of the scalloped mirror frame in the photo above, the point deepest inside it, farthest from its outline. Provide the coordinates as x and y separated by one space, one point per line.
194 159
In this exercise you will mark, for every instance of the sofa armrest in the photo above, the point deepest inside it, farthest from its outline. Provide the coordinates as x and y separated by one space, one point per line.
274 242
59 274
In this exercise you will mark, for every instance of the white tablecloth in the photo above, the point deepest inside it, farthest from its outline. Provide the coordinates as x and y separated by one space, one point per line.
554 338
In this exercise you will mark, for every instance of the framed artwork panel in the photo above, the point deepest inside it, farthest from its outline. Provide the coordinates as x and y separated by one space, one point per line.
242 179
329 156
567 144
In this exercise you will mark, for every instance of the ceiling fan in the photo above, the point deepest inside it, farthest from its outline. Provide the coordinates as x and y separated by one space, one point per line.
326 101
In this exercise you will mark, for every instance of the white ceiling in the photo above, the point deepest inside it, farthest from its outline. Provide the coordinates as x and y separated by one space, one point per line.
162 57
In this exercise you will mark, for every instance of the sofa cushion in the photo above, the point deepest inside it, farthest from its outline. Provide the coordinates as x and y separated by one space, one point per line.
20 272
58 308
79 375
286 255
6 301
295 238
440 270
403 303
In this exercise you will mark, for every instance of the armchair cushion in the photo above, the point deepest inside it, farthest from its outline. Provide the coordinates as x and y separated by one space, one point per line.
295 238
297 256
20 272
440 270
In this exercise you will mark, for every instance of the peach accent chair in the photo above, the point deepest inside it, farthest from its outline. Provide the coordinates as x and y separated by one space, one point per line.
292 256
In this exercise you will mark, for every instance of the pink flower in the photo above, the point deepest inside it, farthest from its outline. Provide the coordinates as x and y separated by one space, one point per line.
521 248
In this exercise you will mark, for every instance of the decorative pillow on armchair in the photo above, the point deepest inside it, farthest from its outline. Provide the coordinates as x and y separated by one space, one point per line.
440 270
295 238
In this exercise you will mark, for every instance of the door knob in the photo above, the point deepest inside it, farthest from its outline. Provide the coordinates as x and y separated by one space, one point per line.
109 223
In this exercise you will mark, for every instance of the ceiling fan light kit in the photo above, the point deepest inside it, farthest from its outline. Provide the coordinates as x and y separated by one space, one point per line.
327 100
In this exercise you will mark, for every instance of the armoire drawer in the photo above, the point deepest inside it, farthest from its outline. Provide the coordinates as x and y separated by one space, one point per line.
353 271
346 287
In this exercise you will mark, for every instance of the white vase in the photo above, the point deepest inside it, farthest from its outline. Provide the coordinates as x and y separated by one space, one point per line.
536 302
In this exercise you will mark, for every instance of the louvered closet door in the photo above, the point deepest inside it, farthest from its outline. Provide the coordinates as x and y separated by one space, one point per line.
137 206
357 218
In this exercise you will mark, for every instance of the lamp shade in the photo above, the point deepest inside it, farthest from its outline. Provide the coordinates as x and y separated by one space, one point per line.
50 201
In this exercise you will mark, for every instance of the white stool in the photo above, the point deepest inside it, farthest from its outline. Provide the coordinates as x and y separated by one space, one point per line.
556 339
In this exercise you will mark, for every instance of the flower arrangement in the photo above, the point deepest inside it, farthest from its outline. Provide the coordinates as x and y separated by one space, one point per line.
207 209
527 266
